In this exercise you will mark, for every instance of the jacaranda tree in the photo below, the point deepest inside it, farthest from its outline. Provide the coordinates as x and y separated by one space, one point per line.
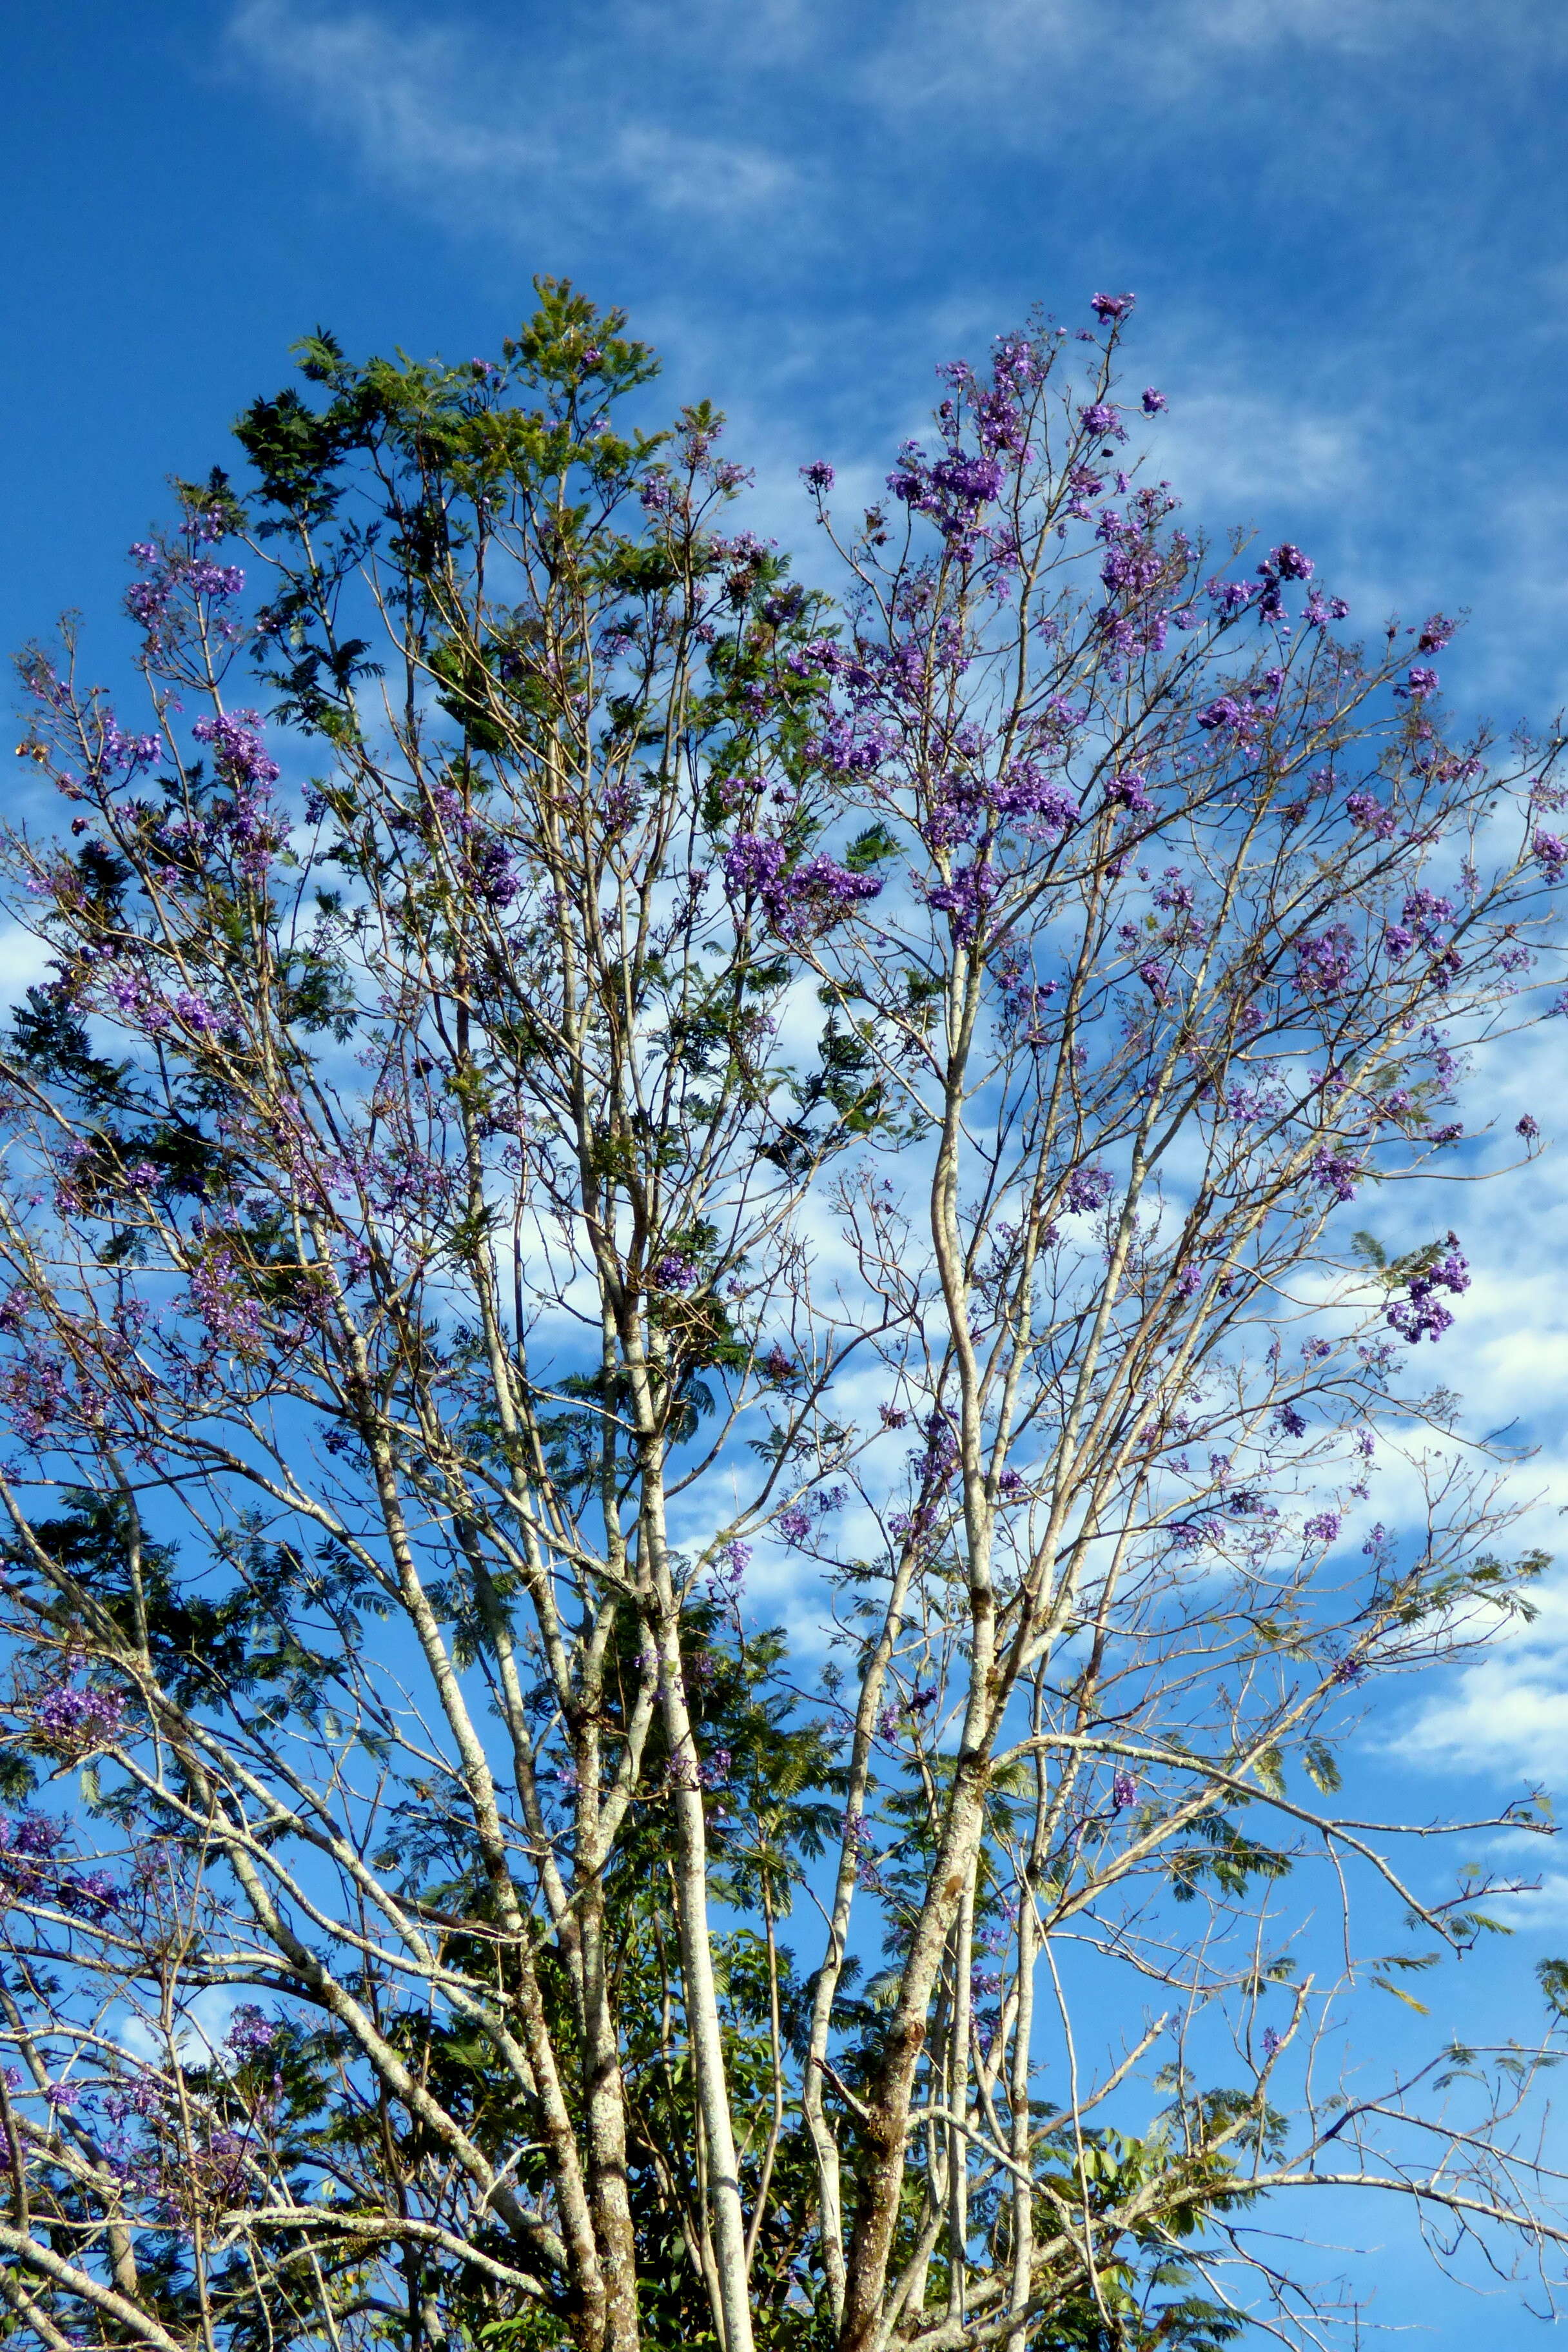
569 1065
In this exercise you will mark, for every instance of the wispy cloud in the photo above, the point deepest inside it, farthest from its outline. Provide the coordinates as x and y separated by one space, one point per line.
489 133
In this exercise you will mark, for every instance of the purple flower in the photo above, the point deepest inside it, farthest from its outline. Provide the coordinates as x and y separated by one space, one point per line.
233 1315
1270 2043
1111 306
1324 1528
732 1561
250 2031
1129 791
80 1720
1529 1127
1124 1791
1550 852
672 1272
797 900
1291 1420
197 1014
1102 421
817 475
965 900
1324 963
237 753
1225 716
1336 1173
1289 563
1087 1188
1436 632
1420 1315
1418 684
1153 400
1367 810
794 1525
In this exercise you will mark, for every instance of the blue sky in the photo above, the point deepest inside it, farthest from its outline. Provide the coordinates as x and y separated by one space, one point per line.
1346 222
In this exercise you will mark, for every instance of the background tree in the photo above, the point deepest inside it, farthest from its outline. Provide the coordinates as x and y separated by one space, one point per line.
694 1065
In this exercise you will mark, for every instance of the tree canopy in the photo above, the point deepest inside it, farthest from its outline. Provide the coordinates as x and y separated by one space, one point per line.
578 1065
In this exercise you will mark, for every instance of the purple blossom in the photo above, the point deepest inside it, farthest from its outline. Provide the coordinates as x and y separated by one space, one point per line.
232 1314
1124 1790
818 475
1551 853
1270 2043
1367 810
965 900
732 1563
1324 1528
237 751
1111 307
219 581
1288 561
1102 421
1153 400
250 2031
1087 1189
794 1525
1336 1172
33 1388
79 1721
1423 913
1025 791
197 1014
1129 791
1528 1127
1420 1315
1226 716
1436 632
1418 684
797 900
1325 962
674 1271
1290 1421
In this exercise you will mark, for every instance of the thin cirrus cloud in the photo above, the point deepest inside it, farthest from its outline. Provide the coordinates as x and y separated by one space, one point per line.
482 132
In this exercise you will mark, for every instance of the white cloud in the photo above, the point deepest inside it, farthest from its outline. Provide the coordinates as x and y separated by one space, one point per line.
475 132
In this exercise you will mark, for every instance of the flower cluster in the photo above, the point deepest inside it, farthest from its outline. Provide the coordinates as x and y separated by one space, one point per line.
250 2032
1336 1172
673 1271
175 577
1420 1314
231 1313
1087 1189
965 899
1325 962
796 1524
30 1872
800 899
77 1722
